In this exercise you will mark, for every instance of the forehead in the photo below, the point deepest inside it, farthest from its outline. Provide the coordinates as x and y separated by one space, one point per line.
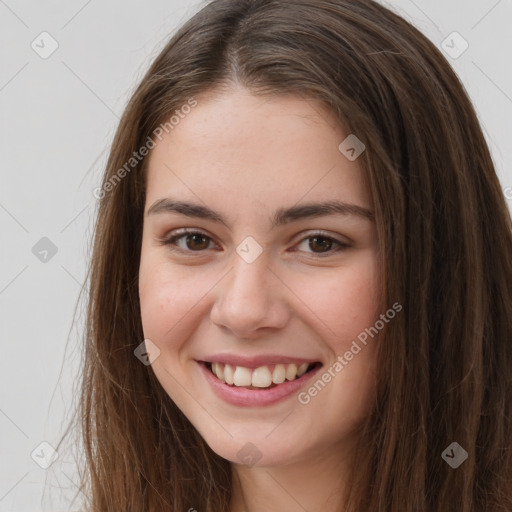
238 150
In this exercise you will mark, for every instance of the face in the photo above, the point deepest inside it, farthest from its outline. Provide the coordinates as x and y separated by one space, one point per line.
245 265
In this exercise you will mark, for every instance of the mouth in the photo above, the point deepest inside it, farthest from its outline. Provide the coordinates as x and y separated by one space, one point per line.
261 378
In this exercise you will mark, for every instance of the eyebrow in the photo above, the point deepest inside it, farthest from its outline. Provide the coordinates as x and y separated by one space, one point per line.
281 217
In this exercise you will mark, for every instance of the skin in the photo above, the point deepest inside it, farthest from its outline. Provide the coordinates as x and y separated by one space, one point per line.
245 157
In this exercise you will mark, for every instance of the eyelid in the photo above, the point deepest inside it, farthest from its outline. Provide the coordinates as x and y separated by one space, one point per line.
320 232
181 232
341 246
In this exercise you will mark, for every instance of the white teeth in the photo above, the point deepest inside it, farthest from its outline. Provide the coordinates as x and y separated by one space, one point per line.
218 369
242 376
301 370
228 374
279 374
291 371
261 377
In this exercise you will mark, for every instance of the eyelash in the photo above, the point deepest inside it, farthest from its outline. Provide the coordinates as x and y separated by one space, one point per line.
170 242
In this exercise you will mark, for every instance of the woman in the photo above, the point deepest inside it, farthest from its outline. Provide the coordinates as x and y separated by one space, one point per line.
300 291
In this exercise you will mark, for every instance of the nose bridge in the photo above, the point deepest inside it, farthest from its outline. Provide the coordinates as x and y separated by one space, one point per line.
248 298
248 279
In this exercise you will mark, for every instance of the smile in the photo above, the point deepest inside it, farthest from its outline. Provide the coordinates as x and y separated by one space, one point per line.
256 381
263 377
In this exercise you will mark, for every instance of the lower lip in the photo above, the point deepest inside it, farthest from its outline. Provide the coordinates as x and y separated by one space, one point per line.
255 397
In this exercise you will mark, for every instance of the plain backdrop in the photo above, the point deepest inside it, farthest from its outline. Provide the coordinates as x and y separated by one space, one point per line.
58 113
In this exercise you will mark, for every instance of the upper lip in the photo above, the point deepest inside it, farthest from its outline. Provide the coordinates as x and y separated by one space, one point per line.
255 361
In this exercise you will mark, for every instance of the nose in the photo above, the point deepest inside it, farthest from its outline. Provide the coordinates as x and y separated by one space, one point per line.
250 300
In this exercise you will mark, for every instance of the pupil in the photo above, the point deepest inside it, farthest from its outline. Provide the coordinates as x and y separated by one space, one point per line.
324 245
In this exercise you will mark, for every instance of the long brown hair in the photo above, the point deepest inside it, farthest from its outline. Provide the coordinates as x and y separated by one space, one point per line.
445 235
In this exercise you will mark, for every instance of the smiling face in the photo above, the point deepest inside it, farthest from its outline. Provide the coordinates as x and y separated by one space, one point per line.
263 286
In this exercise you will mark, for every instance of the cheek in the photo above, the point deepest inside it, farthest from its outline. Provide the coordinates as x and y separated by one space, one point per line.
345 300
347 303
167 300
175 300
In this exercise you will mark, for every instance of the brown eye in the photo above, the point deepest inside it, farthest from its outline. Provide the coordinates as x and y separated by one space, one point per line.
321 243
188 241
197 242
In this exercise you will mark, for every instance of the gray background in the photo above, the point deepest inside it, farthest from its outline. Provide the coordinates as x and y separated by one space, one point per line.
58 116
